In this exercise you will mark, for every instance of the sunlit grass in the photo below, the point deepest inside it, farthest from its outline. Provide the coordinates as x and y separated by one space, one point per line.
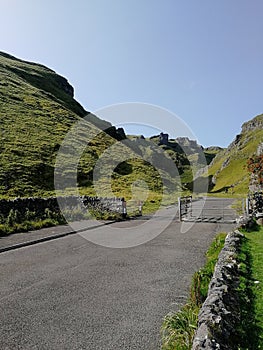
235 172
252 286
179 327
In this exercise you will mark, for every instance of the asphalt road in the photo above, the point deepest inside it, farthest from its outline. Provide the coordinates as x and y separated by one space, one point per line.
71 294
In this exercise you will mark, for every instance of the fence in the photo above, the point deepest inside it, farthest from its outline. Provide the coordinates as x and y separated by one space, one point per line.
206 210
184 206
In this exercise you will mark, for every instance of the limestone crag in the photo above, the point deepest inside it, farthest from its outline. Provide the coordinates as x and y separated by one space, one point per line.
256 123
260 149
191 145
64 85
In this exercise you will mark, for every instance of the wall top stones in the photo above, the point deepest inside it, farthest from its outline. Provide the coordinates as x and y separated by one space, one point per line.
219 315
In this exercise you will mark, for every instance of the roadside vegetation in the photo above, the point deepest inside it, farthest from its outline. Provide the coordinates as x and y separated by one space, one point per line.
28 225
251 288
179 327
30 221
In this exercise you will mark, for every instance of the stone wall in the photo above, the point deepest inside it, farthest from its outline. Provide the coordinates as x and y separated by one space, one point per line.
219 316
39 206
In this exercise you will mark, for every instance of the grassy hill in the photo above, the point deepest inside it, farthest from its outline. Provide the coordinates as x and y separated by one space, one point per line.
229 166
37 111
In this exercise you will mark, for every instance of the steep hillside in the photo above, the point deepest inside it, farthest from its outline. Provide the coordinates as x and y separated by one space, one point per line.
189 157
229 166
37 110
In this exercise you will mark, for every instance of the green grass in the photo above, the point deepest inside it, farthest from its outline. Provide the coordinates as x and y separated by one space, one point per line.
36 114
257 272
235 173
239 206
251 289
179 327
26 226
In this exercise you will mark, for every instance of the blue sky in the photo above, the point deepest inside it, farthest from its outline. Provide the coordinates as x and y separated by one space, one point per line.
202 60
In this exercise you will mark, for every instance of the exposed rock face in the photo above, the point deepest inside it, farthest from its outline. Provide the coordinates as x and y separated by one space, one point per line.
260 149
219 315
118 134
65 86
202 171
214 148
225 163
185 142
256 123
121 133
189 146
234 143
238 149
163 139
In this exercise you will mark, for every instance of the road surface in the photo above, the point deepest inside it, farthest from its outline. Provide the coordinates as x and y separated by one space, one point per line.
72 294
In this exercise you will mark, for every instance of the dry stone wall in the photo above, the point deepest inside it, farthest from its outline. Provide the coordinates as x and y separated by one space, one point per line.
219 316
38 207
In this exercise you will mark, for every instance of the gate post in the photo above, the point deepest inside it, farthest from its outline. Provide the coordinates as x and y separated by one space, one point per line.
247 206
191 206
124 208
140 208
179 209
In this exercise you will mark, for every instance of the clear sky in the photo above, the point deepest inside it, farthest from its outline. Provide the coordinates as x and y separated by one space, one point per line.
200 59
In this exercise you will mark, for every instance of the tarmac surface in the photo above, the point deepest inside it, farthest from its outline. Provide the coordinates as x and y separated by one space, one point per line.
69 293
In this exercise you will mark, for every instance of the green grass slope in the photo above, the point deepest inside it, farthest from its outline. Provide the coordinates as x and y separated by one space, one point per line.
37 111
229 166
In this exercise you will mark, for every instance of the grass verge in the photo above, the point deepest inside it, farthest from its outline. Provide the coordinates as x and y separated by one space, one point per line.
16 223
178 328
26 226
251 289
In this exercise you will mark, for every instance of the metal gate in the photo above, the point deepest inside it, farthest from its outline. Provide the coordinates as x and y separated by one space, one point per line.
206 209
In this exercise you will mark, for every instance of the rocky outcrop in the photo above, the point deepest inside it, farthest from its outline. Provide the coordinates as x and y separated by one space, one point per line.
225 163
219 316
163 139
260 149
255 123
252 125
213 149
234 143
241 148
64 85
116 133
192 145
